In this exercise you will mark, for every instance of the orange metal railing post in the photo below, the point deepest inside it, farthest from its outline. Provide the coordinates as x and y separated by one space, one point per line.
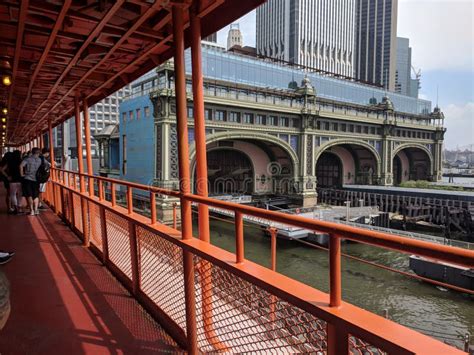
113 197
130 199
184 174
199 122
101 190
87 133
80 162
334 270
51 158
239 238
153 207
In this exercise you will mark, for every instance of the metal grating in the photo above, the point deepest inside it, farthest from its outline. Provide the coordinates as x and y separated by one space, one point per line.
95 228
161 274
76 205
358 346
242 317
119 242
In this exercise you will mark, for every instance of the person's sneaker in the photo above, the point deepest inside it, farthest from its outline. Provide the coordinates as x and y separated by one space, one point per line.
32 213
42 207
5 259
37 212
7 252
11 211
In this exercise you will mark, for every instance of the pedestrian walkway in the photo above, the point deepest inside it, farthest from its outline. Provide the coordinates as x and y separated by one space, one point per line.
63 301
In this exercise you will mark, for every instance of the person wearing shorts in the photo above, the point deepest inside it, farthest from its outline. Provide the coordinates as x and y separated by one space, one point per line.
30 186
4 178
42 186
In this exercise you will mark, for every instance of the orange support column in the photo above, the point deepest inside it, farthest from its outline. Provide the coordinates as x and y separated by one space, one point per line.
80 163
184 174
201 174
87 133
51 158
199 124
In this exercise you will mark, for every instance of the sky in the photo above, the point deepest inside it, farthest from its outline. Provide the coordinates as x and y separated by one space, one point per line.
441 34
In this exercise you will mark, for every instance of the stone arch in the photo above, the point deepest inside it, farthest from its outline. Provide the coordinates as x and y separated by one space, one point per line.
404 149
339 142
400 147
235 135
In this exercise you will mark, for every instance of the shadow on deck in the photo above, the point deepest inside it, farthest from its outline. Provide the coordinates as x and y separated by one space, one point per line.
63 300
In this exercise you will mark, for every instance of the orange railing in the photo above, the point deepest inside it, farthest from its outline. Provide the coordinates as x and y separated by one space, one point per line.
242 306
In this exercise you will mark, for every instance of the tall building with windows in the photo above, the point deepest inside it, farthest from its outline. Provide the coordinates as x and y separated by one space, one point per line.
376 42
234 37
404 84
314 33
101 114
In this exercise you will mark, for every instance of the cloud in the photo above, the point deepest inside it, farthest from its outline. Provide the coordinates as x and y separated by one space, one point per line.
459 123
441 32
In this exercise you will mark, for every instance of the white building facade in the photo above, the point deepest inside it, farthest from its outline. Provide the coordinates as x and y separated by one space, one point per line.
313 33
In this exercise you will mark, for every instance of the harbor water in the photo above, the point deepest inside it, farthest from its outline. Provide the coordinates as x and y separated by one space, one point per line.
444 314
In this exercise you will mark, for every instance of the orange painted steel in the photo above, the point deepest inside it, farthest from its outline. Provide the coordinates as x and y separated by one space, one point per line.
51 156
130 199
101 190
153 207
199 123
239 238
87 133
344 326
80 162
113 196
182 120
335 271
184 175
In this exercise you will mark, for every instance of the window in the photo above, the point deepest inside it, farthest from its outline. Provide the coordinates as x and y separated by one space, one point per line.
146 111
130 115
372 130
343 127
124 116
248 118
220 115
366 129
334 127
284 121
107 117
139 113
207 114
351 128
234 117
326 126
359 129
260 119
190 112
272 121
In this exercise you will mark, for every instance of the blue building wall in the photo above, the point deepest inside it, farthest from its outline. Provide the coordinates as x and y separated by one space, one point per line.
139 135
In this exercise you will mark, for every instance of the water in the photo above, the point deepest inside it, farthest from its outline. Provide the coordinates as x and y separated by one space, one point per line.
440 313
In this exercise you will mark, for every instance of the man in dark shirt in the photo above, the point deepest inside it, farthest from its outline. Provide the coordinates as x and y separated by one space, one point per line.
30 186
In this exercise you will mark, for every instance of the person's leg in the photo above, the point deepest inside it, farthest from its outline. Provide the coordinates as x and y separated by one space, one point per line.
35 205
36 196
31 205
14 195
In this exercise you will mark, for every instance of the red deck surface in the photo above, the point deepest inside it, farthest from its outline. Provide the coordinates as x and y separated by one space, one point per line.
63 300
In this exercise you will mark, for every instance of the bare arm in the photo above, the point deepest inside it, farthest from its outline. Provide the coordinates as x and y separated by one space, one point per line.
22 168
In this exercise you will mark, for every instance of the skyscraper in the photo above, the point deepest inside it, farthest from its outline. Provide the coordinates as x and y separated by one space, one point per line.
404 84
313 33
234 37
376 47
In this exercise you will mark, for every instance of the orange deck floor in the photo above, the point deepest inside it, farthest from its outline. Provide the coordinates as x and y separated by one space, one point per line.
63 300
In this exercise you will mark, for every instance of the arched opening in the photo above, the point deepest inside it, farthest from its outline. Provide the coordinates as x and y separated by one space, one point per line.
229 172
249 166
411 163
329 170
355 164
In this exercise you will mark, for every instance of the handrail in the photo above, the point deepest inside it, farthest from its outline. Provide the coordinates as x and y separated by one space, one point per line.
444 253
